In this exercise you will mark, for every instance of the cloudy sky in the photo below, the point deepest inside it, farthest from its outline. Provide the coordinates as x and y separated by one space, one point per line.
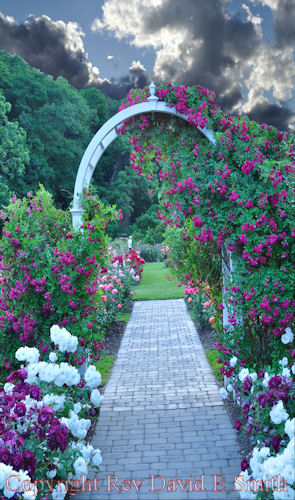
243 50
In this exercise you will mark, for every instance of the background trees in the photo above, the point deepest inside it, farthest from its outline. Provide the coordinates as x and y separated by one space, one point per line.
47 126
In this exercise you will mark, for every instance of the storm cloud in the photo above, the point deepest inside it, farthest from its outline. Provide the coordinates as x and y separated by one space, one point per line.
57 48
199 41
54 47
194 41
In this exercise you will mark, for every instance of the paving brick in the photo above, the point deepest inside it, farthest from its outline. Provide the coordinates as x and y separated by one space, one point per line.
162 413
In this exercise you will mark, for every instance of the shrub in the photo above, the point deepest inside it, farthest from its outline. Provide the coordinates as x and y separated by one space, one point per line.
150 253
50 272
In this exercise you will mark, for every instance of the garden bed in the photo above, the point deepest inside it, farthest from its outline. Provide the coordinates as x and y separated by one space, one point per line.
207 338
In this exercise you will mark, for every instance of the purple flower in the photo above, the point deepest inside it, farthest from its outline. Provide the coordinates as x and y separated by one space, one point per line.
276 443
244 464
57 436
20 409
17 461
246 407
262 400
36 393
29 461
45 415
2 426
5 456
261 373
247 384
20 375
275 382
237 425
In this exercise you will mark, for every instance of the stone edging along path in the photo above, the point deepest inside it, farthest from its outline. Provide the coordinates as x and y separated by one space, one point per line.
163 430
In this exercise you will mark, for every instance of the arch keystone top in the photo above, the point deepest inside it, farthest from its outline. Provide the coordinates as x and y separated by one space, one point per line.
108 133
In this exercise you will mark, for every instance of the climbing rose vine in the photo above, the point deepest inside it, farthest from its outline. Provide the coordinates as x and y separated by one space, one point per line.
231 200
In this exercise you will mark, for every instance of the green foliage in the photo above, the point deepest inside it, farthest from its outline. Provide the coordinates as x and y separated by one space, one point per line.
14 154
150 253
147 227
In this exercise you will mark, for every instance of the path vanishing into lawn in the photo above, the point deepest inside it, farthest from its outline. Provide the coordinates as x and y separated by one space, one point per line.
162 418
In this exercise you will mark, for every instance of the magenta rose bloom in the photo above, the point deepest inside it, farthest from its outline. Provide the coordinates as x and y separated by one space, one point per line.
57 436
30 462
244 464
237 425
2 426
20 409
45 415
247 384
262 399
246 407
17 461
5 456
276 443
36 393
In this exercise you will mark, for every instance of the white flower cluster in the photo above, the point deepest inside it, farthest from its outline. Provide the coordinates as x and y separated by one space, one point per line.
278 413
233 361
264 466
92 377
80 467
283 362
59 492
61 374
52 357
223 393
8 388
89 453
243 374
12 481
288 336
28 354
77 426
63 339
282 464
96 398
290 428
54 401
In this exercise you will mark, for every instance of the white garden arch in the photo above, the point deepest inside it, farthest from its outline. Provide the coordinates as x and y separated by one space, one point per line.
106 135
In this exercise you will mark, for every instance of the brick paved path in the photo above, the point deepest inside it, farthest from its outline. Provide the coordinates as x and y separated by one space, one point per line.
162 413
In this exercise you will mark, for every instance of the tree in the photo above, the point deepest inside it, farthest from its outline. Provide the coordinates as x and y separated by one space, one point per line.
14 154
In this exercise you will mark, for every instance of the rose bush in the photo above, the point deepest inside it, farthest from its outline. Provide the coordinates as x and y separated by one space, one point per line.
49 273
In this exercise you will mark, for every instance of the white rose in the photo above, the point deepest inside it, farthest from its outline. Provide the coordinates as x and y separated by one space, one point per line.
52 357
290 428
96 398
59 492
96 459
288 336
80 466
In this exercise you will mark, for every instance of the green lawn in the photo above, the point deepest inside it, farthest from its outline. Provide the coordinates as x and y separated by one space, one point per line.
154 284
212 355
104 366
